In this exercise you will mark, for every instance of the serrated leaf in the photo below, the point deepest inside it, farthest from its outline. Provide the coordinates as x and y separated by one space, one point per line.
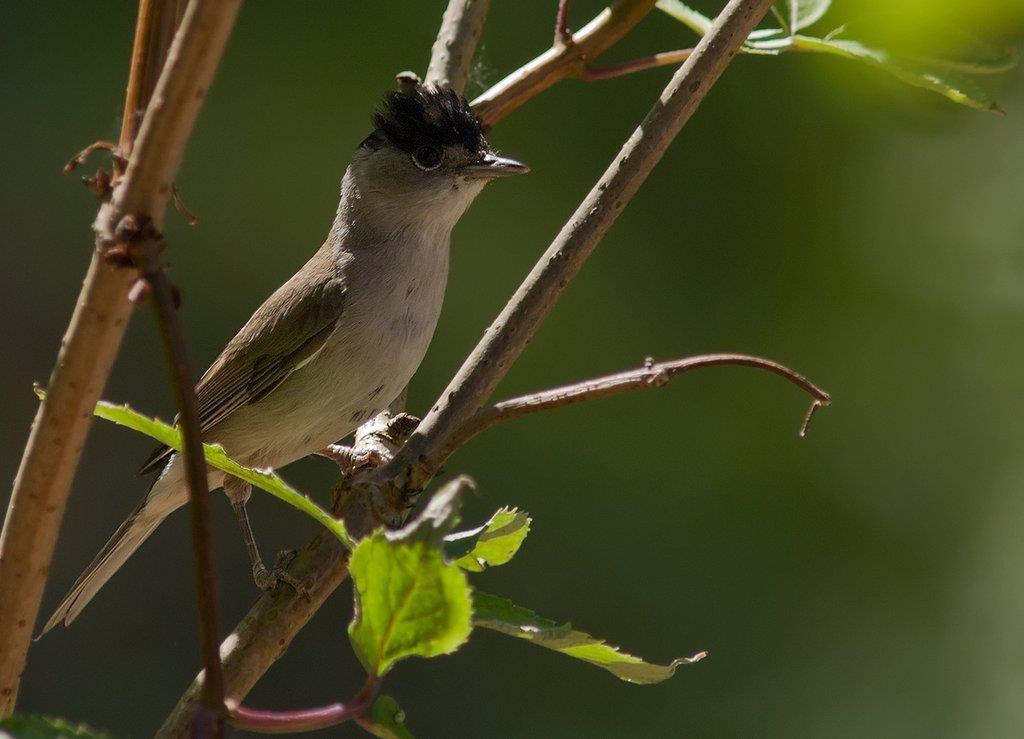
494 543
215 455
439 516
501 614
43 727
409 602
386 720
797 14
945 81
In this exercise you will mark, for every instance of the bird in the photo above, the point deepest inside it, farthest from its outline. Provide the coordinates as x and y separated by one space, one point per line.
339 341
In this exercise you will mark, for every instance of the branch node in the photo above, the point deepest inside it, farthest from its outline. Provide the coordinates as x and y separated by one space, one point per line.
563 36
81 157
815 405
407 81
99 185
179 205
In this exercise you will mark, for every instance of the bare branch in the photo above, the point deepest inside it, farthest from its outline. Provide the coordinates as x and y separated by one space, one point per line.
452 53
566 58
100 318
143 248
592 74
506 338
651 375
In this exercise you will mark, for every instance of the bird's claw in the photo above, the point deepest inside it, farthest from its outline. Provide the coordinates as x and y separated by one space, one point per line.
268 580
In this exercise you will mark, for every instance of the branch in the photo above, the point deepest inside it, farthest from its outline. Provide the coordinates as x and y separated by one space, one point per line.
651 375
506 338
594 74
452 53
567 57
143 243
101 314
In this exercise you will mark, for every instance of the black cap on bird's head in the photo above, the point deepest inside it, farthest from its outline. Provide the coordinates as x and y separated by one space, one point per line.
425 121
428 115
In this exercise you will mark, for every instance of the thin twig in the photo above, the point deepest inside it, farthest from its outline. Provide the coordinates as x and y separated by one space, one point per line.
310 719
94 334
651 375
591 73
452 53
563 36
562 60
143 248
506 338
80 158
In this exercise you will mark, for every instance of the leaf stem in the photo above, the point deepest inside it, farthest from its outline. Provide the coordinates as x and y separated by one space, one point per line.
308 719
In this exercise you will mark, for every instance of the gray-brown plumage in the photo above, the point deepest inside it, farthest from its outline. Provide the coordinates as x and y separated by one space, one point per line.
340 340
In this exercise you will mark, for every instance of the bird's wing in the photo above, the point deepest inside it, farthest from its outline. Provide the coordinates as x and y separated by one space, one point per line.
285 333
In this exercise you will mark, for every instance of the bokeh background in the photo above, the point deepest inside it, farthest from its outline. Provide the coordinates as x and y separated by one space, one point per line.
865 580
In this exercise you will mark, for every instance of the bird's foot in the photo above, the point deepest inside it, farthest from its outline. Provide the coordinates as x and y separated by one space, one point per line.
267 580
400 428
350 458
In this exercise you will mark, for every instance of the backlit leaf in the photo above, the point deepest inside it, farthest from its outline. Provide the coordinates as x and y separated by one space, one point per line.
501 614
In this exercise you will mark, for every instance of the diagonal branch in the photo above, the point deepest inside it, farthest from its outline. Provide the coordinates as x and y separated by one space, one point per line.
453 50
651 375
591 73
101 315
566 57
502 343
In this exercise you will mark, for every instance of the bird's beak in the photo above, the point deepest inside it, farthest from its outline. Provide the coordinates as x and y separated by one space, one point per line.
492 166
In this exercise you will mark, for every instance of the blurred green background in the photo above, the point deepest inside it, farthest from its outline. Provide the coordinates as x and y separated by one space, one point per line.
863 581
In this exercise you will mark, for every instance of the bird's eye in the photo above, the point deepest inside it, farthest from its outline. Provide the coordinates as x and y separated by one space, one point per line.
427 157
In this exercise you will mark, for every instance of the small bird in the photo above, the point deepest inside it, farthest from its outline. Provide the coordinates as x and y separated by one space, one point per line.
340 340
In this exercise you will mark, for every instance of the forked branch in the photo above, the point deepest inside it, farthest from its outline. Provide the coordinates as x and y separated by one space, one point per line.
567 57
502 343
651 375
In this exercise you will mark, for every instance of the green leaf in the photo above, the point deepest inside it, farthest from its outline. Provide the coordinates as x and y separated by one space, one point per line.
409 601
501 614
701 24
439 516
797 14
42 727
494 543
215 456
386 720
697 22
930 76
939 72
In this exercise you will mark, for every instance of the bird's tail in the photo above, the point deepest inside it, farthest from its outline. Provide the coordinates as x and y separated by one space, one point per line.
166 495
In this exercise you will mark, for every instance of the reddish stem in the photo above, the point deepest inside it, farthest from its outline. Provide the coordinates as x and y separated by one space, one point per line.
307 719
